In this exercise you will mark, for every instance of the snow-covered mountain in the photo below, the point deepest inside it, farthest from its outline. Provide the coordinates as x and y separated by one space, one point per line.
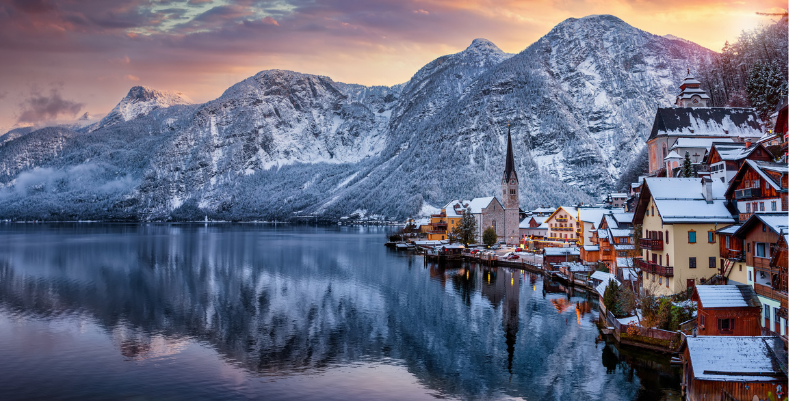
140 101
579 101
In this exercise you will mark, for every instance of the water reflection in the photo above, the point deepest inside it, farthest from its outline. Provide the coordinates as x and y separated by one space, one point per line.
305 301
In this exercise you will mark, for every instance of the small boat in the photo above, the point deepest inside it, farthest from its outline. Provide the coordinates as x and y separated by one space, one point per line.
676 361
402 246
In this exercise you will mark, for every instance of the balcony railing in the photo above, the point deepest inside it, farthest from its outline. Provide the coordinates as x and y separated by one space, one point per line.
747 193
561 219
762 263
652 244
654 268
734 254
769 292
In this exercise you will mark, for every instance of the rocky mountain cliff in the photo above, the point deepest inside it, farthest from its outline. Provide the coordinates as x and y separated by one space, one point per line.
579 101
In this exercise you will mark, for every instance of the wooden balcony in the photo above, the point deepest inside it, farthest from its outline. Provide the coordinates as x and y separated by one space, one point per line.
654 268
761 263
769 292
734 254
652 244
747 193
562 219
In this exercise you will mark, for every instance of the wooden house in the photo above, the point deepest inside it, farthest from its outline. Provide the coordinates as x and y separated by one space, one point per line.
727 310
761 234
554 256
733 368
759 187
726 158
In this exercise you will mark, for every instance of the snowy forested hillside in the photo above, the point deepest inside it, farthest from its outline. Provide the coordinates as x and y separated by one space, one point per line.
580 101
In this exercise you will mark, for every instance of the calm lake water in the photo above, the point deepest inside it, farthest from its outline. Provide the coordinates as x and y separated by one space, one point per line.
155 311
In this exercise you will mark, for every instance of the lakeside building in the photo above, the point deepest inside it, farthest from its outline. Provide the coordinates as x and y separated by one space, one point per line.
533 227
563 225
762 235
733 368
509 195
727 310
678 242
732 257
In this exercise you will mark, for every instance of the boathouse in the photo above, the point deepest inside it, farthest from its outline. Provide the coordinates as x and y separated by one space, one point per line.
733 368
727 310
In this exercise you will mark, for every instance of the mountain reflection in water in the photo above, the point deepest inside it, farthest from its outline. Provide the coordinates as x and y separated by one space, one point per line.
247 311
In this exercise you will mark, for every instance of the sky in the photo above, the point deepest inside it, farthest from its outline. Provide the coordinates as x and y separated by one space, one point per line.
60 59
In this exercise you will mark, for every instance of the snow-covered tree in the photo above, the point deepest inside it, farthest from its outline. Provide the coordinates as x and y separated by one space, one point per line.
687 167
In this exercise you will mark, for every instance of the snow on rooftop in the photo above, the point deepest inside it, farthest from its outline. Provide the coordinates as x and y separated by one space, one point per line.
725 296
729 229
733 358
591 248
561 251
776 221
699 142
477 204
693 211
621 232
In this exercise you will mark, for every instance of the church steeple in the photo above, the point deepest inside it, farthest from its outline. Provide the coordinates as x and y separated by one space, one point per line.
691 94
509 167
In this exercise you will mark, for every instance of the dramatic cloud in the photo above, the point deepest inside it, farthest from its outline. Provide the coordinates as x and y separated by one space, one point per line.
40 107
202 47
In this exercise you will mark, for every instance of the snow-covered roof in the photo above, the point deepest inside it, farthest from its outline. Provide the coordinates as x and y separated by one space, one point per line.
733 151
451 206
734 359
672 155
422 222
601 233
727 296
680 200
760 167
722 122
537 219
575 267
561 251
729 229
595 215
544 210
601 287
477 204
619 195
610 221
699 142
624 217
777 221
621 232
591 248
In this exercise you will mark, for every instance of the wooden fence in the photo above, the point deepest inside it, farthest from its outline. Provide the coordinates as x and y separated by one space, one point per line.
663 339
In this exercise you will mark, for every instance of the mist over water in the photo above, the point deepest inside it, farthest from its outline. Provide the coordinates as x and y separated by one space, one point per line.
156 311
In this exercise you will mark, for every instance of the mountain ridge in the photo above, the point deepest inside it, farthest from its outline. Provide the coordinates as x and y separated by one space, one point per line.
282 143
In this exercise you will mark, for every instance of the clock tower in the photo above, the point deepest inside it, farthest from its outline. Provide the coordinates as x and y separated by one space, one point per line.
509 188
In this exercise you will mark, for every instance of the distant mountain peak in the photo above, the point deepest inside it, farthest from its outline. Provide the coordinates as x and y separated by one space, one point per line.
140 101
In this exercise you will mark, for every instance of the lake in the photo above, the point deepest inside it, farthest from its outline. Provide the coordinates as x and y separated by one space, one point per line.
253 311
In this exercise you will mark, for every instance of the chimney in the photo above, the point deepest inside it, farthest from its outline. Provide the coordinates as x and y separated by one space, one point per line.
706 184
747 143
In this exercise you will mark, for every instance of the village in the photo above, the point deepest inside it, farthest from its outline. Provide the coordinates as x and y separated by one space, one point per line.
691 261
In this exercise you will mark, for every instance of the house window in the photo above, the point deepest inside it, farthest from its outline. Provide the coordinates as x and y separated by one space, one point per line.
653 210
726 325
761 250
667 261
750 275
660 280
748 247
666 282
766 311
711 236
773 206
691 237
747 208
703 320
692 262
666 236
761 206
712 262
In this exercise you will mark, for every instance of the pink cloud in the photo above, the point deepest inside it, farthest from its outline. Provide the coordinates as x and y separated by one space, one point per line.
270 21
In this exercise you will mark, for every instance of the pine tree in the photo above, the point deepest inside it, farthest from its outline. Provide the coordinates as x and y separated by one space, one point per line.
489 236
687 167
468 226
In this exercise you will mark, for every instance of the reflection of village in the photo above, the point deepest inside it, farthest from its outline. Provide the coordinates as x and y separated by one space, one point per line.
501 286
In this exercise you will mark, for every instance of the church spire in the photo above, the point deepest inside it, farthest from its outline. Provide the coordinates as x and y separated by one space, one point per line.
509 167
